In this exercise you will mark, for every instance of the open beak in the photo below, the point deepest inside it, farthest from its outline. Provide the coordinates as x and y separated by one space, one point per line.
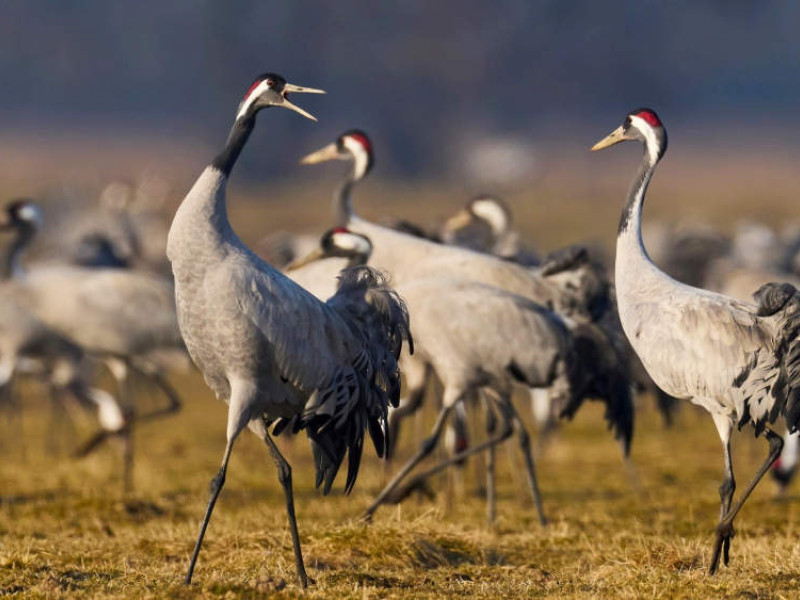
458 221
615 137
296 89
314 255
329 152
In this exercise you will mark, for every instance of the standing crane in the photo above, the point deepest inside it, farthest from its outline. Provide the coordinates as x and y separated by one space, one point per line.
124 317
408 258
475 337
272 351
23 337
735 360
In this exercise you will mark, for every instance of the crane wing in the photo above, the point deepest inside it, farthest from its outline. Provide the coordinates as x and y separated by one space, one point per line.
333 353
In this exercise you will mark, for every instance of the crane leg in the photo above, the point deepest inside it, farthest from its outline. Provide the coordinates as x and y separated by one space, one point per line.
530 468
79 392
285 477
127 460
491 491
173 399
91 444
725 527
216 487
428 445
416 482
239 411
416 382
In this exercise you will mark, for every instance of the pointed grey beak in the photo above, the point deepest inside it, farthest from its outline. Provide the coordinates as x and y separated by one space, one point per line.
290 88
329 152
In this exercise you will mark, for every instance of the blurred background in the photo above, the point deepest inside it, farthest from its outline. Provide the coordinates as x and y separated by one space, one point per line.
458 98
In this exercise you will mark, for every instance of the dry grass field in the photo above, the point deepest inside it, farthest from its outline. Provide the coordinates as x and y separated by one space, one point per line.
66 530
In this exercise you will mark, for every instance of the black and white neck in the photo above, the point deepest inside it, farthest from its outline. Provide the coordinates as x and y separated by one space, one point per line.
343 243
356 146
642 125
25 219
237 138
269 89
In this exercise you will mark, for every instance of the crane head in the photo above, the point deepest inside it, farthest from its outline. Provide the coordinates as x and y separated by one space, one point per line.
484 209
338 242
271 89
641 125
353 145
23 213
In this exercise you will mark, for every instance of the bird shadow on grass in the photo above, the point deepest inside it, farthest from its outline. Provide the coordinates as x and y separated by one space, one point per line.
40 496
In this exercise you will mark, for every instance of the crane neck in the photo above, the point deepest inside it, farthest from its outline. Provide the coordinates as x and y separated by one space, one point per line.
357 260
237 138
630 223
11 265
342 201
201 227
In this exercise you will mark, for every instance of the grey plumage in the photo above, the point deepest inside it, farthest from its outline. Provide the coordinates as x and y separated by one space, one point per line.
271 350
474 337
25 337
408 258
124 317
718 352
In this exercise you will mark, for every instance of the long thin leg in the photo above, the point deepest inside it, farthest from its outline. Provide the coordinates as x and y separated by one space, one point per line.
427 446
127 460
417 482
728 487
91 444
525 446
173 399
87 400
58 416
216 488
416 375
725 527
285 477
491 491
120 369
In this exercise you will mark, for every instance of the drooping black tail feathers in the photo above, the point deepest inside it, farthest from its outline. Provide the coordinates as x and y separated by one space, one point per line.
605 377
370 300
357 398
784 298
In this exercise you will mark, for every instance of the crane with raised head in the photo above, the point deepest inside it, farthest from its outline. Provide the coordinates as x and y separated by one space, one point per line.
278 356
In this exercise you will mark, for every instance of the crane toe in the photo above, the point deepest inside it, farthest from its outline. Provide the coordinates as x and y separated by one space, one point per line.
722 545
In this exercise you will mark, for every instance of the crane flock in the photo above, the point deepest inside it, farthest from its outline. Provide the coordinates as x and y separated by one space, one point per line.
315 334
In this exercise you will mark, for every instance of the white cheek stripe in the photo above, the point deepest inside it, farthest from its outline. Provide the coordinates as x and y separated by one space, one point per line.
651 143
350 242
31 214
360 156
251 97
492 213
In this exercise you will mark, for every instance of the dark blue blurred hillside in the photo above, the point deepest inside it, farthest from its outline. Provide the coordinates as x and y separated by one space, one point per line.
419 75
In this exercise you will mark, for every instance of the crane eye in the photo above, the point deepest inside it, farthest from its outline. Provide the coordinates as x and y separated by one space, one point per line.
270 82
